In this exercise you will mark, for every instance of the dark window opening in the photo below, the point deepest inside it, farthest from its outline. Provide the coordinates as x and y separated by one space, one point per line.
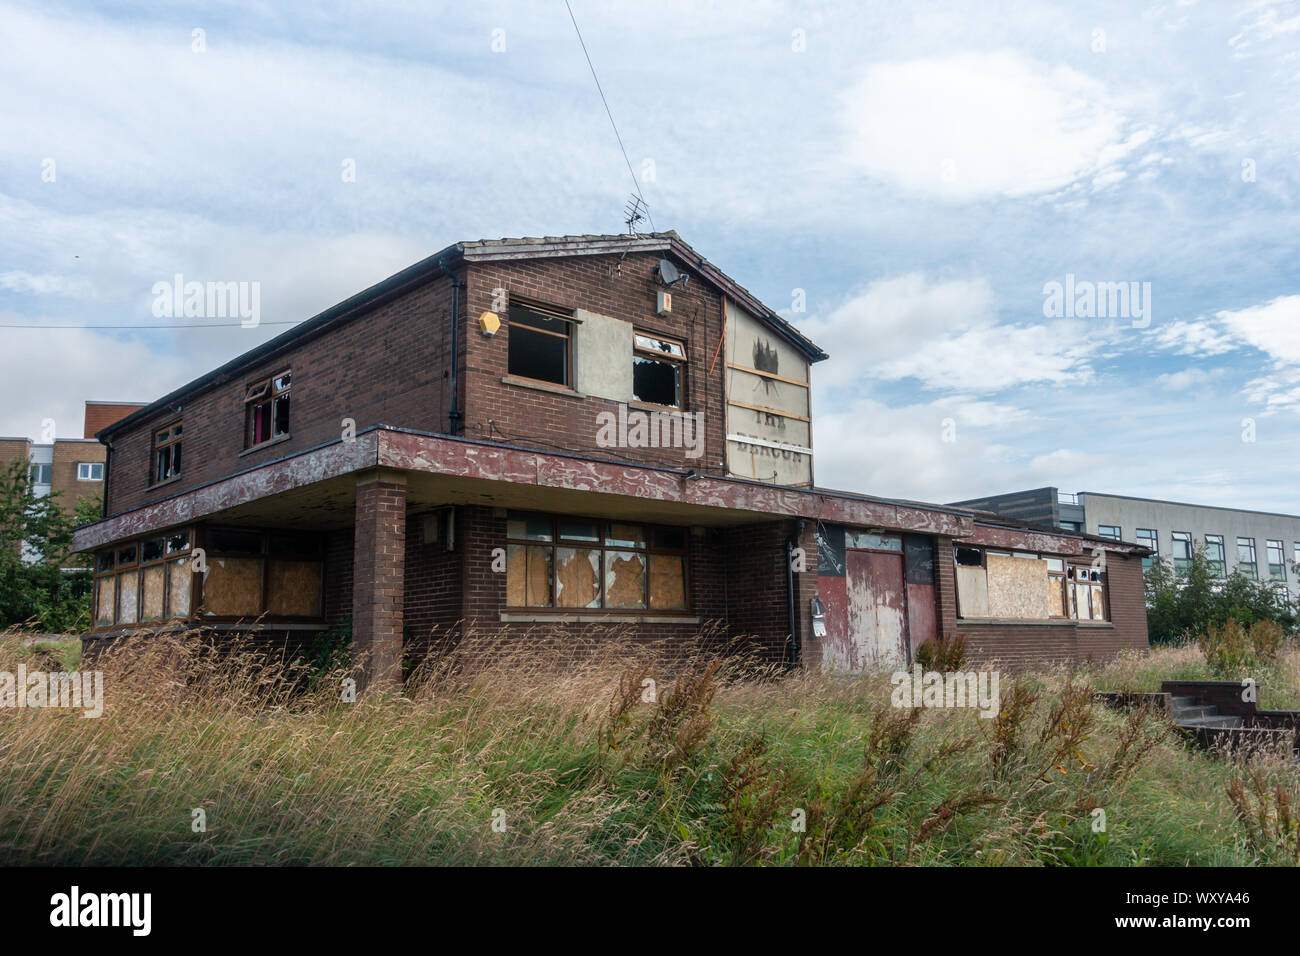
657 367
167 453
970 557
539 345
266 414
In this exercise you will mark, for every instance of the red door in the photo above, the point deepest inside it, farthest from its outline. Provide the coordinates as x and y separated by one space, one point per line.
877 607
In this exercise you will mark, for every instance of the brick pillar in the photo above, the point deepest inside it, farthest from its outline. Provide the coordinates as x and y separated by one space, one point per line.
378 572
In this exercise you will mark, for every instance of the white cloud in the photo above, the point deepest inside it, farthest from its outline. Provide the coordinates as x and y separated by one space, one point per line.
946 334
974 125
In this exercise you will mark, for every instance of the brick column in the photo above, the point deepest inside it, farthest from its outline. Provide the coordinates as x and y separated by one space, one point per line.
378 572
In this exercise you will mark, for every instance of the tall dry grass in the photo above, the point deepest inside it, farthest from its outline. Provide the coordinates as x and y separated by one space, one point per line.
624 758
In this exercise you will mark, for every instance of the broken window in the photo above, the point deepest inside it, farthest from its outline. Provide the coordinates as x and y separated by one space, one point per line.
266 410
658 368
167 453
585 564
540 343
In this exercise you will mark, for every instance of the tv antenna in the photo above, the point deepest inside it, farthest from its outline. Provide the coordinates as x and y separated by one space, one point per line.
635 211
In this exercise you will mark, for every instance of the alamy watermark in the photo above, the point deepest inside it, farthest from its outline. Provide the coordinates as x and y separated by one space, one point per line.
631 428
72 690
1084 299
176 298
922 688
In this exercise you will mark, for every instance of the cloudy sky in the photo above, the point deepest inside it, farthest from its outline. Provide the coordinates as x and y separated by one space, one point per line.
903 181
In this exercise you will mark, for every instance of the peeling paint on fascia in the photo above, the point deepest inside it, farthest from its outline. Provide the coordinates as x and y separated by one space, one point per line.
274 478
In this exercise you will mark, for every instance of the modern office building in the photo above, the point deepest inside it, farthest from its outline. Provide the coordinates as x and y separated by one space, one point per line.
1261 544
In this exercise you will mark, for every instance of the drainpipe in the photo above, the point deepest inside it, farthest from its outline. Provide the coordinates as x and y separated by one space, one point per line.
454 416
108 471
789 595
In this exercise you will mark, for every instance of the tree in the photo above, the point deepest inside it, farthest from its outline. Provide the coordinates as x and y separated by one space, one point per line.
42 583
1183 605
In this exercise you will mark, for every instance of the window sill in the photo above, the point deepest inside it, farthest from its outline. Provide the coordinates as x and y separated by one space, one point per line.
163 484
563 617
540 386
652 407
265 444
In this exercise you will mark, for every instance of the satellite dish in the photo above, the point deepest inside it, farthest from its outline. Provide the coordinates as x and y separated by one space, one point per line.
667 272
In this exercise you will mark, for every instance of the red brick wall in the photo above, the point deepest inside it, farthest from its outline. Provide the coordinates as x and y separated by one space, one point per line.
595 284
101 415
67 454
378 593
389 366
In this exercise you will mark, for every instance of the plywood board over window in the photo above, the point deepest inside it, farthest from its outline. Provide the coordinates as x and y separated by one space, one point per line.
294 588
233 586
972 591
1017 588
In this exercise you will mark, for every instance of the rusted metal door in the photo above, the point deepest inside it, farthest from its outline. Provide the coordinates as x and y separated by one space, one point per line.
877 606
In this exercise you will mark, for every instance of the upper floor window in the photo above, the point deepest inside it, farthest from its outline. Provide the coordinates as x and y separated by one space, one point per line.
658 370
90 471
541 343
266 410
1148 538
42 473
1109 531
1216 555
1246 557
1182 549
1276 561
167 453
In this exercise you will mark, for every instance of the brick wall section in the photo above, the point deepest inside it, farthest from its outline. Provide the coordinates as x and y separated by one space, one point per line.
389 366
379 558
593 283
758 603
339 549
434 590
102 414
67 454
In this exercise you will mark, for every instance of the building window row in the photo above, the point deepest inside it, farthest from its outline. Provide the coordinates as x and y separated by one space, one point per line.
587 564
266 419
1216 553
1019 585
541 349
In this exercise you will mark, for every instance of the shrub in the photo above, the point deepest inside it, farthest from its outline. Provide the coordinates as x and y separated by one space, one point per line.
941 654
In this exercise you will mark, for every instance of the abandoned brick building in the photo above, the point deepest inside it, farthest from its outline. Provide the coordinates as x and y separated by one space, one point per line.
581 435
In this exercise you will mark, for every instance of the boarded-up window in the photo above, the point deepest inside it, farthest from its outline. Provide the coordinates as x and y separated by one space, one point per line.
128 586
233 586
667 582
1017 588
179 577
577 577
528 576
624 579
293 588
972 591
152 603
588 564
105 600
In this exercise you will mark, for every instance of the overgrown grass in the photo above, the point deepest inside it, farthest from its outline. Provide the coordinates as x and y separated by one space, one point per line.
620 761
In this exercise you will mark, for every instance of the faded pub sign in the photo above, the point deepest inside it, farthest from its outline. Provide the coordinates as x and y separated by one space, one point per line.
769 425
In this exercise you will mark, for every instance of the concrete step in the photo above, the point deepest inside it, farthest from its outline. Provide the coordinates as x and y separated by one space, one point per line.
1217 720
1176 702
